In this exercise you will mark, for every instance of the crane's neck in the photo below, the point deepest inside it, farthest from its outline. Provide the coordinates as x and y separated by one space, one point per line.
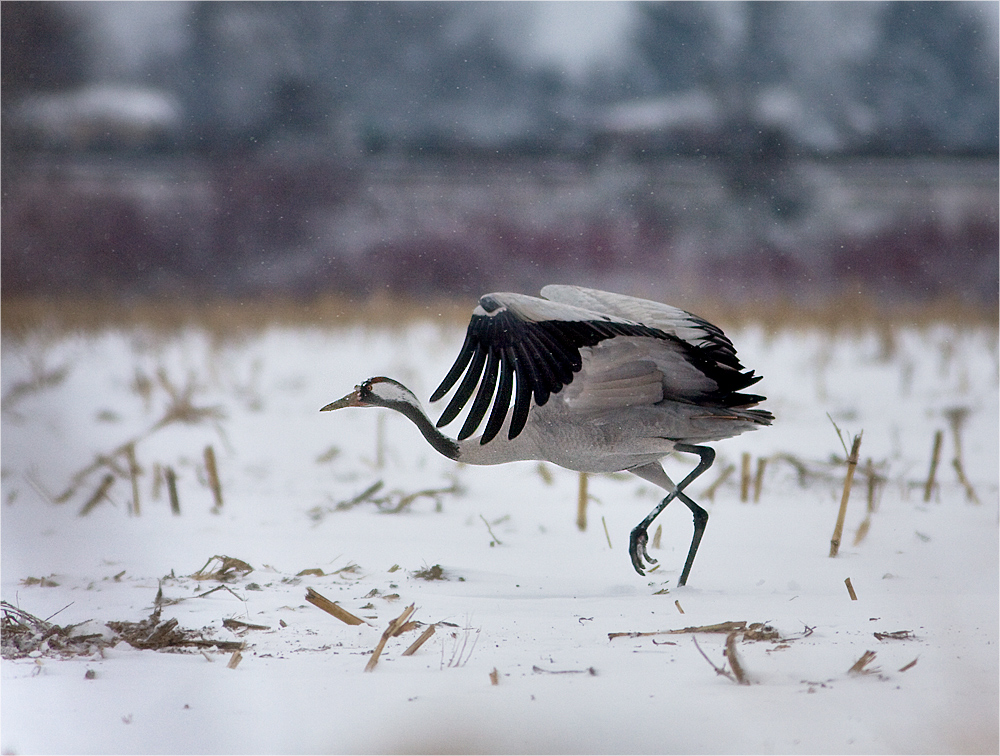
447 446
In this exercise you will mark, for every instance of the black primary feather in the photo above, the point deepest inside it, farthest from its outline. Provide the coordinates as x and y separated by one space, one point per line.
542 356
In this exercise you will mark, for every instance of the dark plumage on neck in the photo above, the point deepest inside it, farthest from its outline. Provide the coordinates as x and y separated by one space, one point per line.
385 392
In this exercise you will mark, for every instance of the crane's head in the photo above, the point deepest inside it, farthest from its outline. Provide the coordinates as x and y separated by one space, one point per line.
376 392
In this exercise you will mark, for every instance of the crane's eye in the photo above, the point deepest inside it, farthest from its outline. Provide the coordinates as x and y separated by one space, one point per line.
364 390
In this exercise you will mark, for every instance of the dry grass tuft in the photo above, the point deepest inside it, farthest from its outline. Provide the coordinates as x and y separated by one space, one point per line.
40 379
393 502
227 569
436 572
24 634
153 634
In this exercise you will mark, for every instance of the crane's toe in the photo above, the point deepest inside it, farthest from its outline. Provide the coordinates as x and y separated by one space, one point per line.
637 549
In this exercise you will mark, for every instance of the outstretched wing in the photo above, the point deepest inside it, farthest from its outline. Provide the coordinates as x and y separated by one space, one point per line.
707 348
537 342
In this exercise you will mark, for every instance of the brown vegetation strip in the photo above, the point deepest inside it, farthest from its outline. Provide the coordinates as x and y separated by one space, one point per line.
231 318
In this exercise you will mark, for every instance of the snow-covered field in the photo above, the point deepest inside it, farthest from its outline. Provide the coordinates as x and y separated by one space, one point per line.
521 660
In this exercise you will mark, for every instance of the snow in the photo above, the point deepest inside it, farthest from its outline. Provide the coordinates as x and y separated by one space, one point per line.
529 596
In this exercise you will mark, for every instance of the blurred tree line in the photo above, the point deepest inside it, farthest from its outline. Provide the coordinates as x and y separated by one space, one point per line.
207 147
895 77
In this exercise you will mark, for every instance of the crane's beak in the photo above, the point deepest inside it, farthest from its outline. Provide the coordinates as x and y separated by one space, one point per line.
351 400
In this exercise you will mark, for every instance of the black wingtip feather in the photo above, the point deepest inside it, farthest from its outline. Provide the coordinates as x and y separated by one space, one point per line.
465 389
482 401
464 356
502 401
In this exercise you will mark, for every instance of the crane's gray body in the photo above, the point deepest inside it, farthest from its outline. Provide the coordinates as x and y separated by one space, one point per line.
627 427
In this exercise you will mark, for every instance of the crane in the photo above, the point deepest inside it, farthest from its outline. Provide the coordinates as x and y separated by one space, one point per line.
590 381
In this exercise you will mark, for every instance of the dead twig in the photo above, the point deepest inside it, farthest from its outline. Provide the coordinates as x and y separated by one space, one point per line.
935 459
365 495
758 480
718 670
235 659
581 503
100 494
212 470
745 477
395 628
850 589
858 668
852 463
970 492
424 637
133 472
606 533
175 502
496 541
734 660
709 492
721 627
895 635
213 590
588 671
236 625
331 608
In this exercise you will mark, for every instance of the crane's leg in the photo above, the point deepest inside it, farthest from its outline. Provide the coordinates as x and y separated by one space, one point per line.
655 474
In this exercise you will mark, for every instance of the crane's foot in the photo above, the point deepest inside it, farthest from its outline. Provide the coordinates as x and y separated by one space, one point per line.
637 549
